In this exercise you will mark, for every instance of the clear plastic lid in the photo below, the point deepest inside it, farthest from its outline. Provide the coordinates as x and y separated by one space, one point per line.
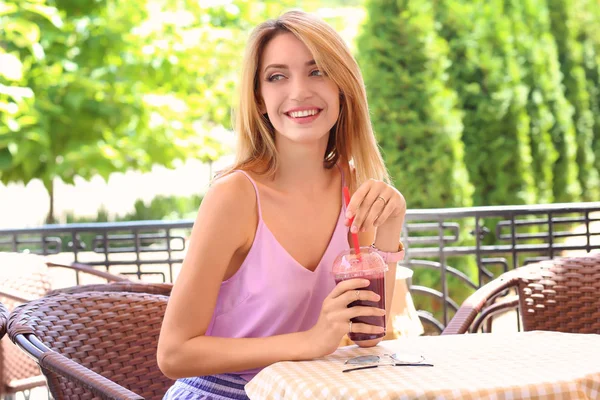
348 264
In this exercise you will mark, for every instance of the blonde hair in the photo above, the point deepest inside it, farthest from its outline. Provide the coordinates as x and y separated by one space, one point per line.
351 140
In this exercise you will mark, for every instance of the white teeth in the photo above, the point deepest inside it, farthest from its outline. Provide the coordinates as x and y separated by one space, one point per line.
305 113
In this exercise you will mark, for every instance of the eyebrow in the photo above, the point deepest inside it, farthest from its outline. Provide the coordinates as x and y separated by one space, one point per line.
285 66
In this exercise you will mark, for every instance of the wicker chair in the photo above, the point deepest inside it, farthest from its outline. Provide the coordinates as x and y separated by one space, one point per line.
133 287
561 294
94 344
25 277
3 320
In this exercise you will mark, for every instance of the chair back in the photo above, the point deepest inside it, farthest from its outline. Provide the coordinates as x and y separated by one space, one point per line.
126 286
22 277
3 320
561 294
25 277
114 334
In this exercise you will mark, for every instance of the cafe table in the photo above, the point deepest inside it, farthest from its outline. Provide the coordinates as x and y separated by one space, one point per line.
520 365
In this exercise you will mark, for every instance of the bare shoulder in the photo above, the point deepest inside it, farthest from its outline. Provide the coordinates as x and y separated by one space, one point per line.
230 199
234 189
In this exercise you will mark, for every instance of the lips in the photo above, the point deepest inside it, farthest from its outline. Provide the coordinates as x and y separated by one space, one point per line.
303 116
303 113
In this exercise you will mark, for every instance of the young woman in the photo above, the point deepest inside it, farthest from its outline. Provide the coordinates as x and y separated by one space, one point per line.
256 285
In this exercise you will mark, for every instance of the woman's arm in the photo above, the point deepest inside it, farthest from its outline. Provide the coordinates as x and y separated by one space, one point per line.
222 234
383 222
221 237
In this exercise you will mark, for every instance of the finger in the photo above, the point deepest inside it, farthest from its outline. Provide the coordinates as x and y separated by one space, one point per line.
356 295
358 327
361 311
349 284
368 206
388 206
357 198
374 213
385 214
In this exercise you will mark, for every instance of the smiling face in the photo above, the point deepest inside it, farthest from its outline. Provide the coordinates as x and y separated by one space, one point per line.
302 104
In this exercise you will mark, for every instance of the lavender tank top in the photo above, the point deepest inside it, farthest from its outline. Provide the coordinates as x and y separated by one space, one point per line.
271 293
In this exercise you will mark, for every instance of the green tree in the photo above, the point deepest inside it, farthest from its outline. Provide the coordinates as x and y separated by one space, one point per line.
552 133
414 112
113 85
590 36
567 19
493 98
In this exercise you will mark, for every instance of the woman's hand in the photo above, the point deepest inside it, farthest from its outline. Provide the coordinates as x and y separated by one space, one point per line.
334 320
373 204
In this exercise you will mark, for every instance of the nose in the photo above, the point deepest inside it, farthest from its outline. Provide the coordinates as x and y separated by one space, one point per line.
300 89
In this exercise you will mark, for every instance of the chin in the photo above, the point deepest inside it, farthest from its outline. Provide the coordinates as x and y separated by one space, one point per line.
305 136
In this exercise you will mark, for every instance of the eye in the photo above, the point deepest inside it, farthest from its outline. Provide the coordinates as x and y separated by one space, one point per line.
275 77
316 72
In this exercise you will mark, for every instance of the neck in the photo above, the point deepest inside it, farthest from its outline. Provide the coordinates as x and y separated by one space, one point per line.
301 167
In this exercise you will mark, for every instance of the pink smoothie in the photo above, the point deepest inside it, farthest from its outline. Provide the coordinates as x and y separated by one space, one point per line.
369 266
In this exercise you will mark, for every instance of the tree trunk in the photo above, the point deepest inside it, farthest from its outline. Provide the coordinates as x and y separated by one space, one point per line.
50 187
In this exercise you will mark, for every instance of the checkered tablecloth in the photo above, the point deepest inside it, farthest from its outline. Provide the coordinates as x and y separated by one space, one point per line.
528 365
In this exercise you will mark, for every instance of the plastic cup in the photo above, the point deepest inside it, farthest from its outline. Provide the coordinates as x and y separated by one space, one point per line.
370 265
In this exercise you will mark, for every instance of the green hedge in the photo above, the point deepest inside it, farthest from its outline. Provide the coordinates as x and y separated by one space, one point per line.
159 208
508 88
416 117
591 60
414 111
493 96
567 24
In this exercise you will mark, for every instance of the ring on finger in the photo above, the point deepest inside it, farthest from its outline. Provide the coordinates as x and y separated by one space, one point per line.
350 327
382 199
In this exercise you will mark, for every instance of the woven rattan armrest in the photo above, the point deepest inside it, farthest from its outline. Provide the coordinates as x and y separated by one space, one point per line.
89 270
121 286
472 306
500 307
74 372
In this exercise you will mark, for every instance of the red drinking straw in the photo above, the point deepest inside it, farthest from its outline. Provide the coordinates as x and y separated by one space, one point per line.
354 235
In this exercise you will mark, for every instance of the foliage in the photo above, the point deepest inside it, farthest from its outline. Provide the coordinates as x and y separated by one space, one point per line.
537 57
493 98
159 208
414 112
567 19
113 85
590 36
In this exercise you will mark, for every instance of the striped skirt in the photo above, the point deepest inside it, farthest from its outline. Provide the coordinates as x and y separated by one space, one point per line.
214 387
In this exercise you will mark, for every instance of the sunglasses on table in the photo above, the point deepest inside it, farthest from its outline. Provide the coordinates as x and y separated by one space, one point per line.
394 360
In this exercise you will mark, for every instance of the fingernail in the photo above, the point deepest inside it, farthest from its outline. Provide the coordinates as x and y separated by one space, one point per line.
348 214
380 329
354 229
378 297
382 311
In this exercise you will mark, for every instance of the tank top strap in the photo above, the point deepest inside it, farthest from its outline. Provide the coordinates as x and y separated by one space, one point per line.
255 191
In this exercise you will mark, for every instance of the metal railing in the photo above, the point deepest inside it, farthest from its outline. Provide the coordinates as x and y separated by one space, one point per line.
452 251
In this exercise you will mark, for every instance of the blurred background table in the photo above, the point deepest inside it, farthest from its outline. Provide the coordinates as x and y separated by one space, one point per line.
538 364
